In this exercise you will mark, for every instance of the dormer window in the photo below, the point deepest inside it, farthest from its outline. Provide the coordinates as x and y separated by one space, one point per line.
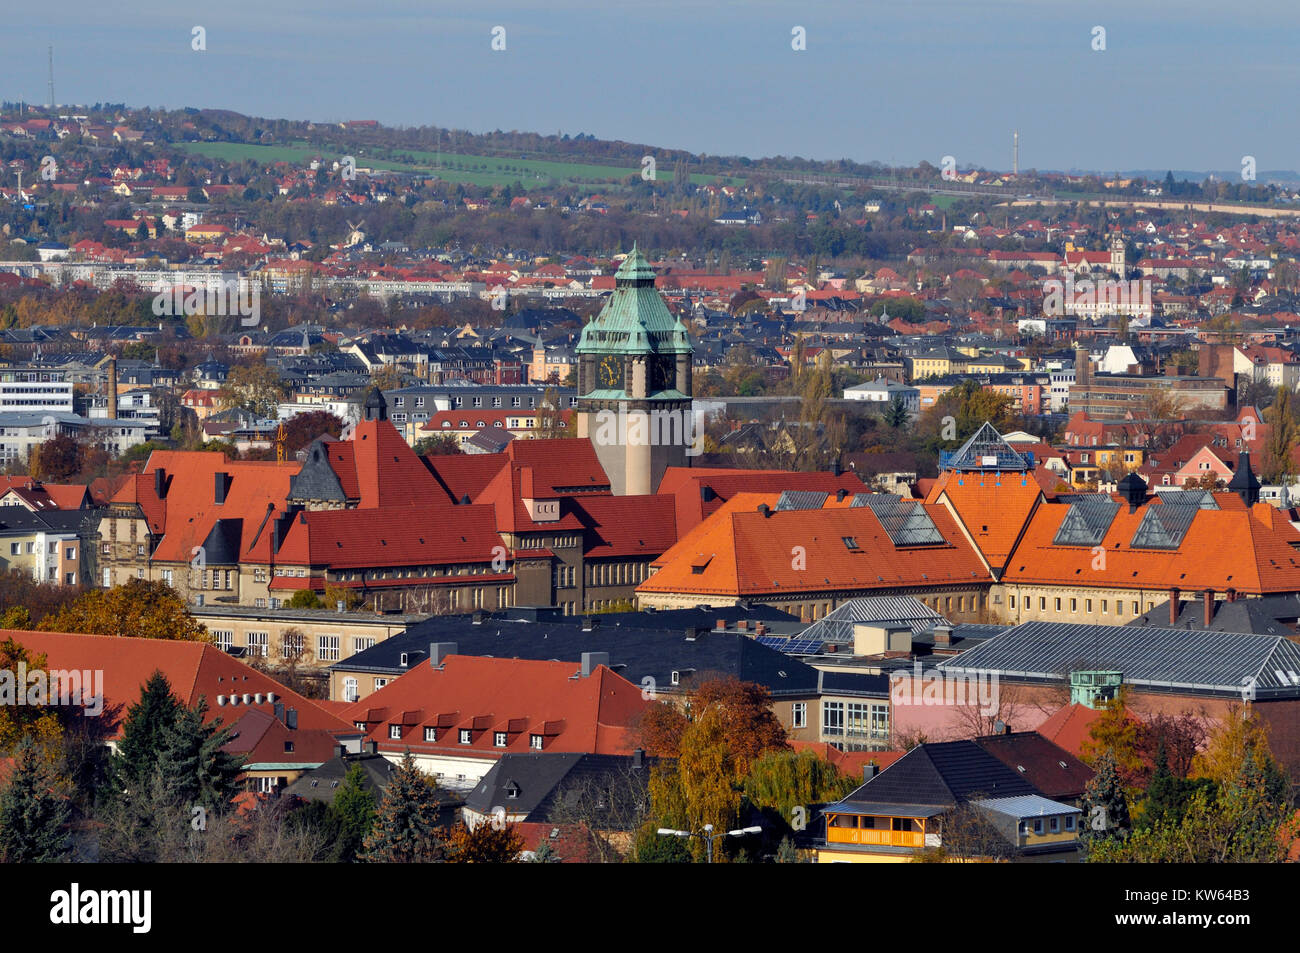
395 732
535 742
465 736
430 734
499 739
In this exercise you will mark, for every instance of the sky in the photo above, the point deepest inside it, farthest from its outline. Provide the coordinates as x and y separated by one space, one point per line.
1194 85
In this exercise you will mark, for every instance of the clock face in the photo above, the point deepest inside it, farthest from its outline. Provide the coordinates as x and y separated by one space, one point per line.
610 372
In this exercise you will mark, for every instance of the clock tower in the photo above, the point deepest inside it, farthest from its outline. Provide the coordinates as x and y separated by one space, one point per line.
634 383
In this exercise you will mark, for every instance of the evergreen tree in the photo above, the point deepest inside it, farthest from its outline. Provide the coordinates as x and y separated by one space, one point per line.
405 828
354 808
147 722
194 768
786 853
1105 808
33 814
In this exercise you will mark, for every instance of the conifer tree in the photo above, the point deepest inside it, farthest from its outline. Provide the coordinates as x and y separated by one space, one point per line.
33 813
354 810
405 828
1105 808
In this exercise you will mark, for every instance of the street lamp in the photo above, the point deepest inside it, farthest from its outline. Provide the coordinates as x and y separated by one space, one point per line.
707 835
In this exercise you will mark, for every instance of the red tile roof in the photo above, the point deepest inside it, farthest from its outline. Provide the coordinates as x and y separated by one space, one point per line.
197 670
521 697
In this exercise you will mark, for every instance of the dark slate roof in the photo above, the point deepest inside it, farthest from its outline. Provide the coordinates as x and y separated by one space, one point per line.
1052 770
1161 659
320 784
640 645
317 479
535 783
1266 615
943 774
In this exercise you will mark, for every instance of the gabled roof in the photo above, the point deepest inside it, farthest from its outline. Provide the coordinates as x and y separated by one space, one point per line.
1051 769
1161 546
1161 659
739 551
518 697
690 485
198 670
993 508
940 775
984 451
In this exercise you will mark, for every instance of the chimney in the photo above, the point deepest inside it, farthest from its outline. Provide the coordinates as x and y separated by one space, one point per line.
1174 604
340 751
278 710
1208 601
721 625
592 659
438 652
638 757
870 770
942 635
1082 366
291 719
840 494
372 747
110 389
760 628
1232 594
835 467
765 510
219 488
160 483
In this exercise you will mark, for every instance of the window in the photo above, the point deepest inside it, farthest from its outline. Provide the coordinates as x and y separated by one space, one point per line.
880 720
292 644
380 683
395 732
499 739
1055 825
167 576
833 718
799 715
1038 825
327 648
139 549
350 692
430 734
1058 603
465 737
361 643
1069 823
1042 603
15 549
70 553
1011 602
857 720
1074 605
535 742
257 643
1104 604
1136 610
225 639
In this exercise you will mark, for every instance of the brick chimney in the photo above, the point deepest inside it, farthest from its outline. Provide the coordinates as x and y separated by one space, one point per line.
110 389
1208 601
1174 604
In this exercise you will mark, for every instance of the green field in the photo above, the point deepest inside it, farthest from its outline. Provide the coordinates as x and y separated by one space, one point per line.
486 171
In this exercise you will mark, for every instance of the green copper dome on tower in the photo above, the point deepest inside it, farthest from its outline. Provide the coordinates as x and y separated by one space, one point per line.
635 319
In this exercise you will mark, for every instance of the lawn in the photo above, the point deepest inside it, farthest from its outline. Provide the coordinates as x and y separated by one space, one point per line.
484 171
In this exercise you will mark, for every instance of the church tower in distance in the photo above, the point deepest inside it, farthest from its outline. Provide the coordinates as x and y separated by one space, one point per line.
634 383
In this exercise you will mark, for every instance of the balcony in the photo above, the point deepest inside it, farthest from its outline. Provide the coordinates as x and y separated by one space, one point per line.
875 831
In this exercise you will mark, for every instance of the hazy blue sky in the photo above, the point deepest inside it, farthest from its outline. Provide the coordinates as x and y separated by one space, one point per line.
1190 85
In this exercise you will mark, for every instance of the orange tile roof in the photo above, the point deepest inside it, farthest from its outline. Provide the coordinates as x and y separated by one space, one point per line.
686 485
521 697
993 508
1253 552
739 552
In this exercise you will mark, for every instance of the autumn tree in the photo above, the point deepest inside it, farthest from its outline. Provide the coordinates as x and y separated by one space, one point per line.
486 843
1116 734
781 781
255 387
56 460
301 430
1280 440
138 609
437 445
